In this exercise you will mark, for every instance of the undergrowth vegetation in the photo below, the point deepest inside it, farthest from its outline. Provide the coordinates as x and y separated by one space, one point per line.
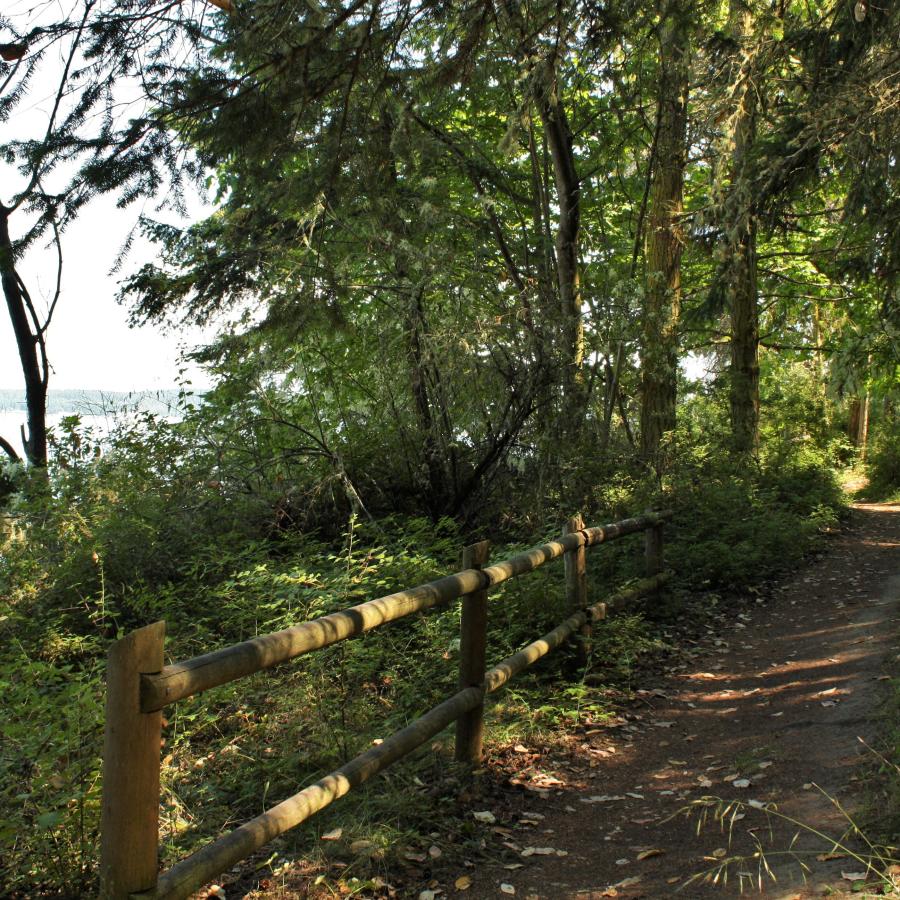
119 537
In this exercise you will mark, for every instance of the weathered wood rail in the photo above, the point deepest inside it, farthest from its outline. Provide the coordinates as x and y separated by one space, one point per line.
139 685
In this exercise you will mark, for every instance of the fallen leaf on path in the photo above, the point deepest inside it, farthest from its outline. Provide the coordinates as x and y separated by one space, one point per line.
741 783
647 854
854 876
539 851
507 888
484 816
334 835
825 857
463 883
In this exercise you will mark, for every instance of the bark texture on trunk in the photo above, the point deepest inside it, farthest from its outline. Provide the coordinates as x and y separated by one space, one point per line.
568 237
665 239
30 345
741 264
744 343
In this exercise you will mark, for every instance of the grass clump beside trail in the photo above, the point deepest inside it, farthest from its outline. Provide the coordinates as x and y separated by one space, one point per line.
125 538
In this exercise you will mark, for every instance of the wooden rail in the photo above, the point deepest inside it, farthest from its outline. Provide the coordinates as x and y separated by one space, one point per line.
139 686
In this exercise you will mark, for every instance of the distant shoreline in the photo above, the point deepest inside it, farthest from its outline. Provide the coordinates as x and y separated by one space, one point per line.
84 400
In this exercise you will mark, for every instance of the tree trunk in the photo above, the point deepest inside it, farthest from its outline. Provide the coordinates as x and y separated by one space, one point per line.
422 404
741 263
744 343
862 435
568 238
30 344
665 240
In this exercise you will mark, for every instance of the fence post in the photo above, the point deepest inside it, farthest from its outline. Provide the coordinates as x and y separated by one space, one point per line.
129 823
653 549
576 588
472 648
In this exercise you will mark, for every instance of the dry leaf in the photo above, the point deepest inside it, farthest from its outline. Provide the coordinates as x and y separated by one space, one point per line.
463 883
539 851
484 816
647 854
333 835
507 888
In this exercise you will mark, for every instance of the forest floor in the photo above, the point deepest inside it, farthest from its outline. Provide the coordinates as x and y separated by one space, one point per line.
770 706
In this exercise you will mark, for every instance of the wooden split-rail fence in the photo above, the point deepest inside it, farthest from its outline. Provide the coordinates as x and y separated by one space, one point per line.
139 685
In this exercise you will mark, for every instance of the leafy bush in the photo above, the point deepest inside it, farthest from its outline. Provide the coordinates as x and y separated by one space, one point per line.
883 464
738 521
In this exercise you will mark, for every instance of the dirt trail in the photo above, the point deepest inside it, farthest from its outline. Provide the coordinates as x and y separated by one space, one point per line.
780 701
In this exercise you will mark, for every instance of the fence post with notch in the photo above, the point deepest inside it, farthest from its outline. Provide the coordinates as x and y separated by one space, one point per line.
129 822
576 588
472 650
653 549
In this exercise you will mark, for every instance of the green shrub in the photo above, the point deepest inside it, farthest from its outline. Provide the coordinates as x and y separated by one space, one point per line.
883 464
